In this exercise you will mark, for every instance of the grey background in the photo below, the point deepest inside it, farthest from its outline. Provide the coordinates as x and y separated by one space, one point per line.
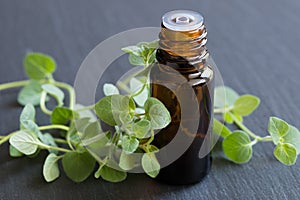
255 44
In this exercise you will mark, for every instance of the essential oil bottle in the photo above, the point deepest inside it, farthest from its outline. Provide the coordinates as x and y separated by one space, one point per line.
184 81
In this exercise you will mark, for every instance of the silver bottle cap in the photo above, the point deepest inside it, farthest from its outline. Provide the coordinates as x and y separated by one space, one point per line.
182 20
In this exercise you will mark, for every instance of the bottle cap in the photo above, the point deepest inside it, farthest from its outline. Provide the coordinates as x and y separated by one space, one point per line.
182 20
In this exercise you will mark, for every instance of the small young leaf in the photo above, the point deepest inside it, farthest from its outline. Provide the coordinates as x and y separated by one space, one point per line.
30 94
112 175
293 137
28 113
237 148
55 92
50 168
152 149
136 60
245 105
62 115
39 66
135 50
126 161
141 128
227 118
220 129
277 129
225 96
129 144
150 164
13 152
78 166
110 89
24 142
157 113
286 153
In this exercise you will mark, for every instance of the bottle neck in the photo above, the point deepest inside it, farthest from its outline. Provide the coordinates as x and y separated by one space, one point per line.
184 46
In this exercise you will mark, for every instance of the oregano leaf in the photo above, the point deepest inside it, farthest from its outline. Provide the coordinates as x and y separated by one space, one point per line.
50 168
277 129
237 147
245 105
286 153
39 66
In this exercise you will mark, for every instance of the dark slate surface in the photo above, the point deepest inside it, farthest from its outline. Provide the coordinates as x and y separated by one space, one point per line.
255 44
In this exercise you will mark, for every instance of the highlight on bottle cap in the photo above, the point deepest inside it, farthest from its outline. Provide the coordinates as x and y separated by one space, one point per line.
182 20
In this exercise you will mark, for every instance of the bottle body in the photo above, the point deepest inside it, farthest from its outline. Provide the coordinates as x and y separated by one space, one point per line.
184 81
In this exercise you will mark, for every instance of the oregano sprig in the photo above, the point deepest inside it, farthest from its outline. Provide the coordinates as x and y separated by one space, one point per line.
237 145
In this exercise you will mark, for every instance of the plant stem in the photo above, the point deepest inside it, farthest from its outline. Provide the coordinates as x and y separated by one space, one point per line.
222 110
62 141
71 91
43 146
244 128
62 127
13 84
7 137
43 104
140 91
91 107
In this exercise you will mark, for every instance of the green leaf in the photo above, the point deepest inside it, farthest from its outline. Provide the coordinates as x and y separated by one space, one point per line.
49 140
227 118
293 137
150 164
220 129
126 161
157 113
135 87
225 97
94 138
30 94
109 108
136 60
28 113
141 128
286 153
54 91
62 115
277 129
237 147
245 105
129 144
24 142
135 50
152 148
110 89
153 44
50 168
112 175
13 152
39 66
78 166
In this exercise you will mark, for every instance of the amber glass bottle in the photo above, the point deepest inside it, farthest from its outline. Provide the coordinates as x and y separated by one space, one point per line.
183 81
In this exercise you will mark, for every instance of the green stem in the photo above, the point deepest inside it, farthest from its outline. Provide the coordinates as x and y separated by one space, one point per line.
43 146
71 91
140 91
62 141
7 137
222 110
244 128
43 103
13 84
91 107
62 127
